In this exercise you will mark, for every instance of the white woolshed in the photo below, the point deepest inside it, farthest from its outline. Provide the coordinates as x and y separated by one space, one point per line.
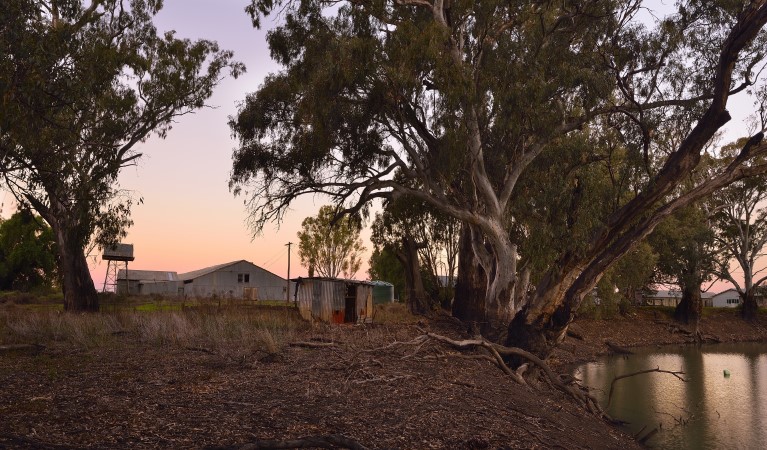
334 300
726 299
672 298
147 282
237 279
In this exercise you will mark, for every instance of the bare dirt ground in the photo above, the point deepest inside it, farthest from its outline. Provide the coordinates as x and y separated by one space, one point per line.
124 392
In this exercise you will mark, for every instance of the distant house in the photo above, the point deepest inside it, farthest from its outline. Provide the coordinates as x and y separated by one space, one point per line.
147 282
672 297
237 279
726 299
334 300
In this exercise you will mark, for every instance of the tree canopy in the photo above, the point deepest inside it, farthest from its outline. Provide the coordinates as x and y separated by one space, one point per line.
27 253
458 105
740 236
81 85
329 247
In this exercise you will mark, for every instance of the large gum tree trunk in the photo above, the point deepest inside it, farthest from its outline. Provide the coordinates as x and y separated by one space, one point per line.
76 282
749 308
689 309
487 279
418 301
471 284
79 292
542 322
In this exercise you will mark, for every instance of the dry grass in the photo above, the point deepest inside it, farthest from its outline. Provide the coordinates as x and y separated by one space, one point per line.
236 334
391 313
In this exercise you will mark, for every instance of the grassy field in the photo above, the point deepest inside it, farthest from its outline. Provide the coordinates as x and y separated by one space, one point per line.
232 328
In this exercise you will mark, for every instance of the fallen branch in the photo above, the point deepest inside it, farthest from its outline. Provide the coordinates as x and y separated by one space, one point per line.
574 333
312 344
640 372
202 350
35 348
331 441
647 436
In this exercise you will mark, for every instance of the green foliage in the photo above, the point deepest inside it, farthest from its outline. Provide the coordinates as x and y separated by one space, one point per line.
329 246
740 235
385 266
684 243
27 253
434 233
559 133
80 87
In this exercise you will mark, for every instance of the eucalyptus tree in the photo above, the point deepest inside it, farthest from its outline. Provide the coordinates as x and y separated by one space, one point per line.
27 253
81 86
329 247
462 98
740 225
425 242
684 243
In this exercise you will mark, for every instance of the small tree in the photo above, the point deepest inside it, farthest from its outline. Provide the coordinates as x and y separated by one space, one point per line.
328 247
27 253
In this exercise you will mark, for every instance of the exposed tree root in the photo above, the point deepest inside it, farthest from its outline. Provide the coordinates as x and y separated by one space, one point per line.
330 441
497 352
640 372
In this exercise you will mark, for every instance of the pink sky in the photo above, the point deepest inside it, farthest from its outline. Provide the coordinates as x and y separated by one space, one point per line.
189 219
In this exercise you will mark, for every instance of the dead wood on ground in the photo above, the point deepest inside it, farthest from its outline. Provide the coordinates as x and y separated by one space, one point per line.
34 348
496 354
312 344
331 441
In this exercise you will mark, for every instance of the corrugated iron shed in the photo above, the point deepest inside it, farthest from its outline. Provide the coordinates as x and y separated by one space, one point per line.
334 300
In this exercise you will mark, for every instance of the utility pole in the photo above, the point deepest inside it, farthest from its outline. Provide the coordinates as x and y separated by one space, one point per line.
287 299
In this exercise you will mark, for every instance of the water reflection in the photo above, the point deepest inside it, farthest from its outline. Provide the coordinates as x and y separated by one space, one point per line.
708 411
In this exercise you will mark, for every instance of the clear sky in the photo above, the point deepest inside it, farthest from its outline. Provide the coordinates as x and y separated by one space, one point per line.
189 219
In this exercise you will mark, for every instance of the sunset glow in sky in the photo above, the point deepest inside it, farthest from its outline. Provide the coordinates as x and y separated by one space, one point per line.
189 219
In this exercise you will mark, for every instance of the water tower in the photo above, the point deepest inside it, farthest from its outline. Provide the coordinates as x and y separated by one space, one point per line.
116 255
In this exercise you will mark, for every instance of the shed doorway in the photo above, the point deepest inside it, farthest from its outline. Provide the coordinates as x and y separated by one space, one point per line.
350 304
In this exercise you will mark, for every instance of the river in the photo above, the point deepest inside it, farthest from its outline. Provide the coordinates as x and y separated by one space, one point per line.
723 403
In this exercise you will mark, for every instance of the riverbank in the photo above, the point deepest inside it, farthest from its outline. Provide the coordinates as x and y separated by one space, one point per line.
221 379
589 339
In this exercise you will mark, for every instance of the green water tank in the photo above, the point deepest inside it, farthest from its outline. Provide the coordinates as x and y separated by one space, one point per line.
383 292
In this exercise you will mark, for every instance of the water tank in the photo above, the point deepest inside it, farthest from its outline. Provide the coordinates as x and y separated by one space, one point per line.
383 292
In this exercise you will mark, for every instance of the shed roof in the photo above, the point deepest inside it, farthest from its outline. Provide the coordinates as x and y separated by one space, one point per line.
200 272
147 275
345 280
